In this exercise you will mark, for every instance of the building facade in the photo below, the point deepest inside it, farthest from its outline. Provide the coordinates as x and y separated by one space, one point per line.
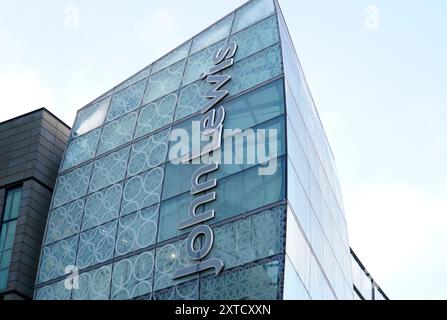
365 287
31 148
137 215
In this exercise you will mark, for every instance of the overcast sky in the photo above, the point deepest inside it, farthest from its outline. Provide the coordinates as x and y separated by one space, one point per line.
377 71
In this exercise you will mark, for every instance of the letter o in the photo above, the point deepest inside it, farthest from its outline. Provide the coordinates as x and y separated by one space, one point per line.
206 247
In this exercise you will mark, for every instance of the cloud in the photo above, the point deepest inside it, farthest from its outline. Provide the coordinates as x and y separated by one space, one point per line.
399 232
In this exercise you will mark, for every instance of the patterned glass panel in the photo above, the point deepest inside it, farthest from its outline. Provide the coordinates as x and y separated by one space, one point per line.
109 170
72 185
200 62
132 277
156 115
164 82
174 56
90 117
168 260
216 32
137 231
256 69
65 221
96 245
126 101
256 38
134 79
148 153
252 282
142 191
118 132
55 291
56 257
191 99
94 285
184 291
102 206
252 12
257 237
81 149
103 97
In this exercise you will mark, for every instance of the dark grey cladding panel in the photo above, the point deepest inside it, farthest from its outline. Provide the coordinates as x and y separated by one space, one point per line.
32 146
31 149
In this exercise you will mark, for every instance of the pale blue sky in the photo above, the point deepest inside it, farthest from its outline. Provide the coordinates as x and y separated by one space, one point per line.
380 93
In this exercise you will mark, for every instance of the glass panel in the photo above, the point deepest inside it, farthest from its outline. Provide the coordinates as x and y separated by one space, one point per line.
216 32
250 239
5 259
247 191
56 257
256 69
102 207
15 207
245 111
317 281
258 37
168 260
137 231
252 12
81 149
298 157
109 170
156 115
243 150
4 229
171 213
184 291
174 186
132 277
65 221
172 57
134 79
96 245
255 107
94 285
12 204
142 191
9 239
293 287
253 282
126 101
298 249
56 291
192 99
182 145
118 132
4 279
298 200
90 117
148 153
72 186
200 62
164 82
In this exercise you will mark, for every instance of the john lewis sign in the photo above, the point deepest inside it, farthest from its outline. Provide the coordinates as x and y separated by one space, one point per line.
211 127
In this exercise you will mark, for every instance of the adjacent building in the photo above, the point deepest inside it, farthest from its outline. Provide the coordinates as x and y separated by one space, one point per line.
31 148
135 216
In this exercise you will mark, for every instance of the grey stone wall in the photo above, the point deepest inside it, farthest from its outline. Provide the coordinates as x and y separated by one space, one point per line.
31 149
